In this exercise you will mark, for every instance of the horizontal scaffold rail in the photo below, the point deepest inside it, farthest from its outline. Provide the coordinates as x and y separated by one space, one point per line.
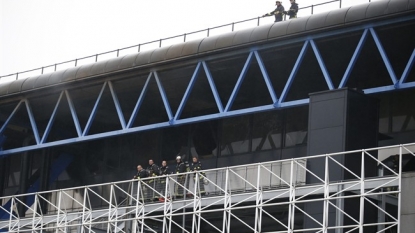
277 192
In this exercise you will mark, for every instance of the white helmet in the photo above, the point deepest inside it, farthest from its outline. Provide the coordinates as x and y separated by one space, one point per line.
178 157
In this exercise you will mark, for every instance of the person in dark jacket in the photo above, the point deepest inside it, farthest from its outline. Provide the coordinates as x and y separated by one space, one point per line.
141 173
153 171
277 12
163 171
292 12
197 166
181 179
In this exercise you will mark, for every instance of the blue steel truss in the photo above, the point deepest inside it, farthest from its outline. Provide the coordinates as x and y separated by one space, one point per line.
175 119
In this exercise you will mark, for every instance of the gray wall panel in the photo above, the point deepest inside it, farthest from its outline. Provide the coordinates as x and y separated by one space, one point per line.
128 61
320 143
377 9
356 13
411 5
333 118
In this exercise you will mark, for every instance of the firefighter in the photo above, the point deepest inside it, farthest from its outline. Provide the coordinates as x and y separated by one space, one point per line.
277 12
141 173
197 166
181 179
153 171
292 12
163 171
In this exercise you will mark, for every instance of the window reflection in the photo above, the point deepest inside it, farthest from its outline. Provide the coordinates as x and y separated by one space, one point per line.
235 135
266 134
296 126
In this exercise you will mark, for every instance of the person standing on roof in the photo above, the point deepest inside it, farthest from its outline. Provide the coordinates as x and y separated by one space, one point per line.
292 12
277 12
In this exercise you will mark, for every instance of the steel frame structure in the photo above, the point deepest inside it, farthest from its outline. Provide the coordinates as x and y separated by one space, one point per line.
255 187
278 101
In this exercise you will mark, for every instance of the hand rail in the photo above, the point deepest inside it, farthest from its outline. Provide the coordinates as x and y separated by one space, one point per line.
139 46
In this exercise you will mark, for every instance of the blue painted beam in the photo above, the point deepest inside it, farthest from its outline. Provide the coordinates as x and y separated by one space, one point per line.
408 68
32 121
11 116
322 65
187 92
239 82
213 87
266 77
73 113
94 111
139 102
117 105
354 59
164 97
51 119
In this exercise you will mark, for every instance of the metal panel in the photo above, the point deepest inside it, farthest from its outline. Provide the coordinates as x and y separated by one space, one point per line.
70 74
356 13
84 71
297 25
97 68
377 9
29 83
15 86
279 29
143 58
242 37
316 21
191 47
159 54
260 33
336 17
175 51
128 61
112 64
411 5
42 80
208 44
56 77
396 6
225 40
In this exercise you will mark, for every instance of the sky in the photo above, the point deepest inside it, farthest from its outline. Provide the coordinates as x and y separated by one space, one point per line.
39 33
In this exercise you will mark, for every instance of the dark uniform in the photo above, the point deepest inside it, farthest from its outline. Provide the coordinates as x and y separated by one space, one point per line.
277 12
153 171
181 179
292 12
141 174
197 167
163 171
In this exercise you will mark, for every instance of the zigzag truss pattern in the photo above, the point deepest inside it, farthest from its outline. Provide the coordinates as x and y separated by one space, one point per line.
174 119
274 195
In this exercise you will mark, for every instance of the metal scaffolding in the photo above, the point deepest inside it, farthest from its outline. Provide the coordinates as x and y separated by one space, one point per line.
259 190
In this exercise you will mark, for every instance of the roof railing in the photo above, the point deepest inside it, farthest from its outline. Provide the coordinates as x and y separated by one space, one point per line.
139 47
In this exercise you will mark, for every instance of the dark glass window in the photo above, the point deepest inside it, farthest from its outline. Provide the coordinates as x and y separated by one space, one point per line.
296 126
236 135
267 131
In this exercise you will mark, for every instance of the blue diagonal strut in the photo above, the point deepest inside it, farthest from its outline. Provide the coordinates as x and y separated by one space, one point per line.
239 82
94 111
164 97
322 65
213 87
293 73
117 104
266 77
139 101
187 93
